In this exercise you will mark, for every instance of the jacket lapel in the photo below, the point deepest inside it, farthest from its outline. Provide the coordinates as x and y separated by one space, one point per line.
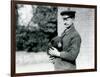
67 31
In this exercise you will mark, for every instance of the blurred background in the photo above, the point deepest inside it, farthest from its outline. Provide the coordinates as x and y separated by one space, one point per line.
36 26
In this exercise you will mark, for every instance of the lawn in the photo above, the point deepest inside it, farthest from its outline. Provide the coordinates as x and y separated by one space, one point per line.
32 62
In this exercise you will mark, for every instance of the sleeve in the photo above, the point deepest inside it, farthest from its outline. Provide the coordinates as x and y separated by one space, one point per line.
72 52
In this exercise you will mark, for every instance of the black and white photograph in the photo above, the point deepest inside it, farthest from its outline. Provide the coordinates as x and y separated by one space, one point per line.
53 38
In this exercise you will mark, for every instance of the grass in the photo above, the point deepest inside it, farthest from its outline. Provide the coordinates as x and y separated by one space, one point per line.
24 58
32 62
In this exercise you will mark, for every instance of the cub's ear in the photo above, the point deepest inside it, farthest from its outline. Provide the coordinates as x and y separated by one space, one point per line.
56 39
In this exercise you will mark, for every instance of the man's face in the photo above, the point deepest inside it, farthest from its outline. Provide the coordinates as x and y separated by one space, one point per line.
67 21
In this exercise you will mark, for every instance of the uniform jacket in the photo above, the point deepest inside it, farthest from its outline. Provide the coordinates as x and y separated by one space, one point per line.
70 49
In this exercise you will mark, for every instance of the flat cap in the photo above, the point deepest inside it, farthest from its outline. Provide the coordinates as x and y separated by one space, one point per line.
69 13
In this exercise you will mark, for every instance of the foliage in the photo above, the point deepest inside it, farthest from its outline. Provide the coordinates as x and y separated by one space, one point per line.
35 39
46 18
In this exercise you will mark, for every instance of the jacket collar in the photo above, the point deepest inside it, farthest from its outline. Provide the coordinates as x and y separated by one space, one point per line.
67 31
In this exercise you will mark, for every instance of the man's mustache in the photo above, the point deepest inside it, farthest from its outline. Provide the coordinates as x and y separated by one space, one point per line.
65 24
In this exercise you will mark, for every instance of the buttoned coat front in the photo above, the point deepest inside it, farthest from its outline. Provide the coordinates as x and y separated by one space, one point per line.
71 46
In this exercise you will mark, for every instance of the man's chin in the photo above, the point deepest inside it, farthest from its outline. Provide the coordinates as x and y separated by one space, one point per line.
67 26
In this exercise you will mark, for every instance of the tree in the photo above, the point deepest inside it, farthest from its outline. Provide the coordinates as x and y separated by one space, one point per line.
35 39
46 18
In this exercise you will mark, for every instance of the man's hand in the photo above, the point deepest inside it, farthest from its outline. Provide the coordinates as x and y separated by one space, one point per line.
54 52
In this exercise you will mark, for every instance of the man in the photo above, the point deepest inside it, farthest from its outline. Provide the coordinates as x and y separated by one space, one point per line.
65 59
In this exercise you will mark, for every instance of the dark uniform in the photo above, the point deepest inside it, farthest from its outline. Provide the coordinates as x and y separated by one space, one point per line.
71 47
70 42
